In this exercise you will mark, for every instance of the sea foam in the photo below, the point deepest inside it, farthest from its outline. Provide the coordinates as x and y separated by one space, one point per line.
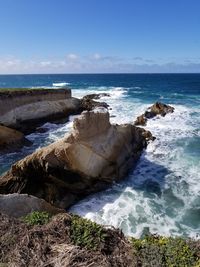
158 195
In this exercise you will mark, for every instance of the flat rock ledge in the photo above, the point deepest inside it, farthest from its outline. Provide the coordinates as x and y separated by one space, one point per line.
25 109
156 109
89 159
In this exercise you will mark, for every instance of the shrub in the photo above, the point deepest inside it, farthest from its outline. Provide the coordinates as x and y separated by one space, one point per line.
37 218
162 251
85 233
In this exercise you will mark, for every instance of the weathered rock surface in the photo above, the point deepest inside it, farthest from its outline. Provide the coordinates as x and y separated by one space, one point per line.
141 120
23 108
156 109
94 155
87 102
18 205
97 96
11 140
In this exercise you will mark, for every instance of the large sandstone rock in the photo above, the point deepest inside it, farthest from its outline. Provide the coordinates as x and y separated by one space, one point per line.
94 155
18 205
11 140
156 109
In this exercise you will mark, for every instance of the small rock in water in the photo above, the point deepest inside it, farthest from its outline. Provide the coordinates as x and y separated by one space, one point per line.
97 96
156 109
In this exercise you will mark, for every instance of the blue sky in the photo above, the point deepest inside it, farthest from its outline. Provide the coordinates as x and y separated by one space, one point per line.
75 36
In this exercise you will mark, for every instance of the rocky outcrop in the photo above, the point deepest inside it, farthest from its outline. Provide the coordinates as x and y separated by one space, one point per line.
141 120
22 109
11 140
97 96
156 109
94 155
87 102
18 205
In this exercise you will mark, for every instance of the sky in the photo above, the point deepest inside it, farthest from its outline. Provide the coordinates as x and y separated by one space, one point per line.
99 36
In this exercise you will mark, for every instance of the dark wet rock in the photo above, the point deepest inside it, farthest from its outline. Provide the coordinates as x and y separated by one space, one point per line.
156 109
87 103
141 120
148 135
160 109
97 96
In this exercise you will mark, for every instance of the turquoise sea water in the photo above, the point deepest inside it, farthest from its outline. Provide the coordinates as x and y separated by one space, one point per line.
162 194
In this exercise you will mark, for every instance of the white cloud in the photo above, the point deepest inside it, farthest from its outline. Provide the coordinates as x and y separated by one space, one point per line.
72 56
45 63
94 64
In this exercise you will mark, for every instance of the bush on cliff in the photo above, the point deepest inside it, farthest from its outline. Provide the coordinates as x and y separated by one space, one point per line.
85 233
160 251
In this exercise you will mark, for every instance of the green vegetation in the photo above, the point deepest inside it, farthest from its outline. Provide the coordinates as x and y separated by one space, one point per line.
167 252
85 233
92 241
37 218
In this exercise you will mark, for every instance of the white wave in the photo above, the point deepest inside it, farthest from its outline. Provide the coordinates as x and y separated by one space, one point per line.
60 84
115 92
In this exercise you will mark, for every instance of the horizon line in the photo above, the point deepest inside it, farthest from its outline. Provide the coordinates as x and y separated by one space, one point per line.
99 73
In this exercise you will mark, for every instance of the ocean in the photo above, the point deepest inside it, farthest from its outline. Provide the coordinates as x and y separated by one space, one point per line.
162 194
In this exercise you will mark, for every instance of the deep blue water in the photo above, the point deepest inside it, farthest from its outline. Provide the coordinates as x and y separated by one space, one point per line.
163 192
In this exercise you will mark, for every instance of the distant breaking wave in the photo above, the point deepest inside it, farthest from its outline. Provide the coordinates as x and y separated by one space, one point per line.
60 84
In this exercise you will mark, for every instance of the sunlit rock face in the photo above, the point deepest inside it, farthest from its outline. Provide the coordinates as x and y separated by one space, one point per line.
94 155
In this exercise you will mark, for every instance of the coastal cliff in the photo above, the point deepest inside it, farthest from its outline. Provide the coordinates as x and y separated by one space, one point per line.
23 108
